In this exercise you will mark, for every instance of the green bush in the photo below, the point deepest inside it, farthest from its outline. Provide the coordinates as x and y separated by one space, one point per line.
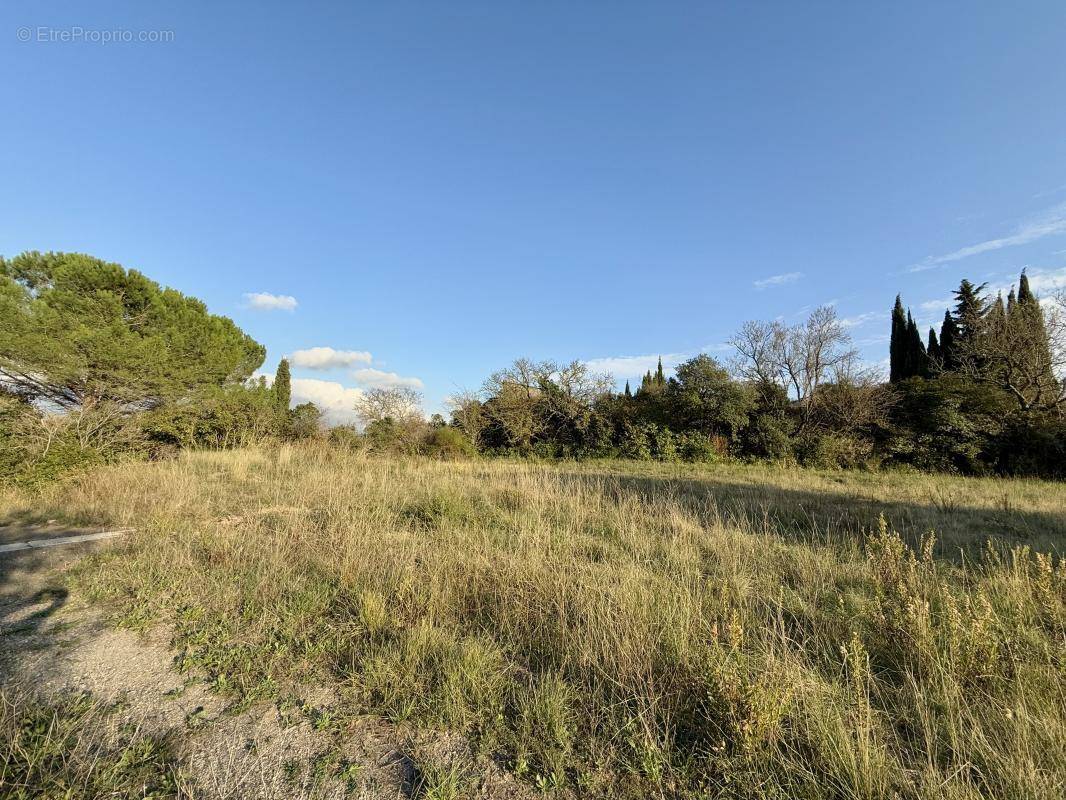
346 436
767 437
1032 447
448 443
635 442
695 446
832 451
304 422
663 444
36 448
233 416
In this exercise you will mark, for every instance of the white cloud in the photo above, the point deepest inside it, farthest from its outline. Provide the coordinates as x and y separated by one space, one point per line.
335 400
777 280
1049 223
1056 190
378 379
634 366
1045 281
328 358
265 301
862 319
869 341
937 305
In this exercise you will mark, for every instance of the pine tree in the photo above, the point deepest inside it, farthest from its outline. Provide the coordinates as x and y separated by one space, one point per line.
949 338
897 355
933 351
282 386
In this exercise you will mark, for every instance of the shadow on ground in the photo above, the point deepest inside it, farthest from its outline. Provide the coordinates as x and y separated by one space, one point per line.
814 516
31 592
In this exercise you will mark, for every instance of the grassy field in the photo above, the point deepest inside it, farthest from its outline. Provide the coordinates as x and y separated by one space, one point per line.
614 629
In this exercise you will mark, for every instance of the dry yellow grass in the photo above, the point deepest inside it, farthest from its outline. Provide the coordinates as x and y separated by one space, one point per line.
616 629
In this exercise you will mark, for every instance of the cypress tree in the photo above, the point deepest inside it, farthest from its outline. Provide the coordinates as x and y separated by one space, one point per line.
933 351
628 393
917 358
1031 318
970 310
282 386
659 379
896 346
1025 295
997 316
949 337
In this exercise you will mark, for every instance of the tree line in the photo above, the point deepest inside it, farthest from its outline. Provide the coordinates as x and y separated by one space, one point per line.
98 362
986 395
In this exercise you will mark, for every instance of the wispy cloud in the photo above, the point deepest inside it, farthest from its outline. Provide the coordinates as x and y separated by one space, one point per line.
624 367
869 341
378 379
1043 283
265 301
1049 223
1047 280
1049 192
937 305
633 366
861 319
777 280
328 358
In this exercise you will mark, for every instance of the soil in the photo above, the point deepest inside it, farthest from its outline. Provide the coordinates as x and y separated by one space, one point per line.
52 641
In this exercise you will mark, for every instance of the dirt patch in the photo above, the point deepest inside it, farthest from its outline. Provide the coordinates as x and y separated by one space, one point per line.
52 642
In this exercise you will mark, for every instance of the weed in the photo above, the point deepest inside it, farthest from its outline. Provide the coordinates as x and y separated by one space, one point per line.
617 629
73 746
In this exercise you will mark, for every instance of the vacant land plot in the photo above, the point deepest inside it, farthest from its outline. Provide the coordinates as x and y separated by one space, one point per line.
611 629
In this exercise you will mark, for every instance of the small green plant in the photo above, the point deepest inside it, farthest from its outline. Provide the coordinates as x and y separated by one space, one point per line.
441 782
69 746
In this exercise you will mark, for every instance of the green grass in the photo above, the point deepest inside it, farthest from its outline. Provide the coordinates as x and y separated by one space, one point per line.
620 630
73 746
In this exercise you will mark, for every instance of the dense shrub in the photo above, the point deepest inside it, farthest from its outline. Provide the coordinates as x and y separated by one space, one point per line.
447 443
232 416
695 446
832 451
946 425
766 437
303 422
36 448
634 441
1032 447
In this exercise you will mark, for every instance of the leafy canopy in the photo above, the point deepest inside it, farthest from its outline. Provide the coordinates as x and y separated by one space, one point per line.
79 331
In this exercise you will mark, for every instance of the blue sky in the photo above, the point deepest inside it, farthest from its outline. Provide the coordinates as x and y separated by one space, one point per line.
433 189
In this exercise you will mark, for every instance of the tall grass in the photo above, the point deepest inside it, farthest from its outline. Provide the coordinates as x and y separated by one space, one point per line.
622 631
